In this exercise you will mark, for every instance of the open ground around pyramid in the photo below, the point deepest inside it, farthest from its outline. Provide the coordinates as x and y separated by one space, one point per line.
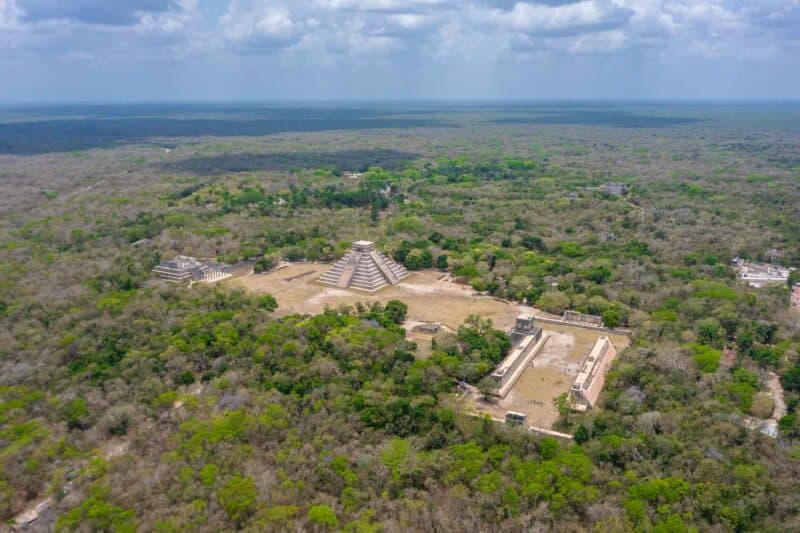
430 295
433 297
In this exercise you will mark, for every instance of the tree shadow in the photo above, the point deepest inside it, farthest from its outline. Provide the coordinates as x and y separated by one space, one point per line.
359 160
617 119
108 127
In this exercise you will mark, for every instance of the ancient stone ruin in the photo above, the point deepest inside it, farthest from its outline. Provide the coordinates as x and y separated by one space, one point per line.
185 268
586 388
580 318
525 337
760 274
364 268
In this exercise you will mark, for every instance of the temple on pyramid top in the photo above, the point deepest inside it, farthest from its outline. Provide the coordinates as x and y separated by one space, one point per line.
364 268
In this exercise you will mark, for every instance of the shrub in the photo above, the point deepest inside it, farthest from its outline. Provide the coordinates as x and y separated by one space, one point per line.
208 475
706 358
581 434
280 513
76 414
612 318
532 242
249 196
117 421
396 311
267 303
570 249
418 259
96 514
238 498
791 379
714 290
294 253
553 302
185 378
263 264
322 515
709 331
762 406
599 274
741 394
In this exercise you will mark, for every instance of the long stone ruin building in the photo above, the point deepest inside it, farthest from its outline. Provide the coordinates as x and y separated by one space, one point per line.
364 268
184 268
760 274
586 388
525 337
580 318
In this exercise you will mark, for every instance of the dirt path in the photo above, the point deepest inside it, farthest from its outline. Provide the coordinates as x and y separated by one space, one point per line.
776 390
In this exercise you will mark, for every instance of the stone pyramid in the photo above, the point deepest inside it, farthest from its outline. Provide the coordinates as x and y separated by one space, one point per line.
365 268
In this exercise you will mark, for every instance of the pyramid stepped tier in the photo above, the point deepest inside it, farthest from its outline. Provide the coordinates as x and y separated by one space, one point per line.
349 270
368 277
394 267
383 267
331 277
364 268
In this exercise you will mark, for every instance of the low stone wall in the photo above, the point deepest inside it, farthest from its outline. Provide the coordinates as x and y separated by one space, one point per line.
518 353
532 429
562 322
589 383
581 318
240 269
521 364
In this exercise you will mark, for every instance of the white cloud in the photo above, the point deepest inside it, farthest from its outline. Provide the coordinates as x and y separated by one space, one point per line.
384 6
476 31
580 17
99 12
260 28
9 13
602 42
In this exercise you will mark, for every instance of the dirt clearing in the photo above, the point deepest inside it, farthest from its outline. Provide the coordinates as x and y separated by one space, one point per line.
430 295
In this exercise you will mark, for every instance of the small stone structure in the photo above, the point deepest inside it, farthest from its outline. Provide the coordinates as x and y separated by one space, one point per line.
615 188
760 274
589 383
427 328
515 418
185 268
364 268
526 338
772 255
580 318
523 327
796 296
608 236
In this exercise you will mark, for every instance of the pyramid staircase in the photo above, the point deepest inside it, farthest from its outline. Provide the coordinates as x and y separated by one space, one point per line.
364 268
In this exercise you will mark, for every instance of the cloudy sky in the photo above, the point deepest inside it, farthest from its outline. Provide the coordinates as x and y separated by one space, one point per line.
63 50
